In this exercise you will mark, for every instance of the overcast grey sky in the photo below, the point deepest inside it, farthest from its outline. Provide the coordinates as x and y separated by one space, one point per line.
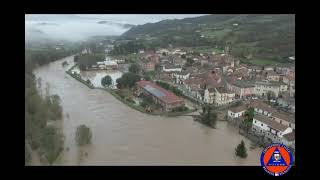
81 26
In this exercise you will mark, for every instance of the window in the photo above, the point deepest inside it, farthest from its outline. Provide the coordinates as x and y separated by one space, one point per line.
261 124
289 124
280 121
255 121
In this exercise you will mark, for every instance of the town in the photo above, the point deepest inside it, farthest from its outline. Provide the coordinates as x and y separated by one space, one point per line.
215 79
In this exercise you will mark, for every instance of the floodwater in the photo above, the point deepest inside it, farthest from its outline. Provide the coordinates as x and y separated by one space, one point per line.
96 76
124 136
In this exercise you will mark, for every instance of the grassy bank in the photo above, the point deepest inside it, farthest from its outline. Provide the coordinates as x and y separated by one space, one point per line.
78 77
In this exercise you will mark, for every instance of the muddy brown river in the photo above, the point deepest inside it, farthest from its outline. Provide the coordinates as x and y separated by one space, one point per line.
124 136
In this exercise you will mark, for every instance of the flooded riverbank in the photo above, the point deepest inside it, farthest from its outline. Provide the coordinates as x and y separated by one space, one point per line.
124 136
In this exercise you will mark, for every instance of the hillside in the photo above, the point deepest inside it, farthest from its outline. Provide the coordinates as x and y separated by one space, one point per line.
257 36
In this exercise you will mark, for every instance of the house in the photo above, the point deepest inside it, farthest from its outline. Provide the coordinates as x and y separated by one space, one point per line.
107 64
112 65
282 69
236 112
119 61
147 65
153 58
218 96
284 118
180 77
262 88
270 129
241 88
269 68
86 51
141 51
256 69
289 79
273 76
223 96
261 108
166 99
172 68
193 84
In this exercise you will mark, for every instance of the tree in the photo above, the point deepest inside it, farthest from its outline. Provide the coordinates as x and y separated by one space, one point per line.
106 81
88 81
241 150
127 80
208 117
134 68
51 143
83 135
249 114
147 78
64 63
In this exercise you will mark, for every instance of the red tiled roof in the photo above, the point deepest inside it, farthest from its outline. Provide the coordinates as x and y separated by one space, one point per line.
168 97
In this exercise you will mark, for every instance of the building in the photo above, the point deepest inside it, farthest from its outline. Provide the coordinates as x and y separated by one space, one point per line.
284 118
269 68
119 61
262 88
147 65
270 129
255 69
273 76
241 88
261 108
236 112
218 96
180 77
166 99
107 64
172 68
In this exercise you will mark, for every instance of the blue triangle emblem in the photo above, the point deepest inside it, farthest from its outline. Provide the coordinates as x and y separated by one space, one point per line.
276 159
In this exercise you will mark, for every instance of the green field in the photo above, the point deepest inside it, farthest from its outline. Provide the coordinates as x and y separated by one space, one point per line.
208 50
262 62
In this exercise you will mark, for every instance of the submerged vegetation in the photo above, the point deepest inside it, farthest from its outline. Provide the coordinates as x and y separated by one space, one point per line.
83 135
40 109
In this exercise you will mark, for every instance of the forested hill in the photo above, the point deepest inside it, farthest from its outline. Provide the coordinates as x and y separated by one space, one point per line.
265 36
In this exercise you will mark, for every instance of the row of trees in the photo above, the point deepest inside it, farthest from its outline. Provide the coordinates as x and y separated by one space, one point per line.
127 48
85 61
